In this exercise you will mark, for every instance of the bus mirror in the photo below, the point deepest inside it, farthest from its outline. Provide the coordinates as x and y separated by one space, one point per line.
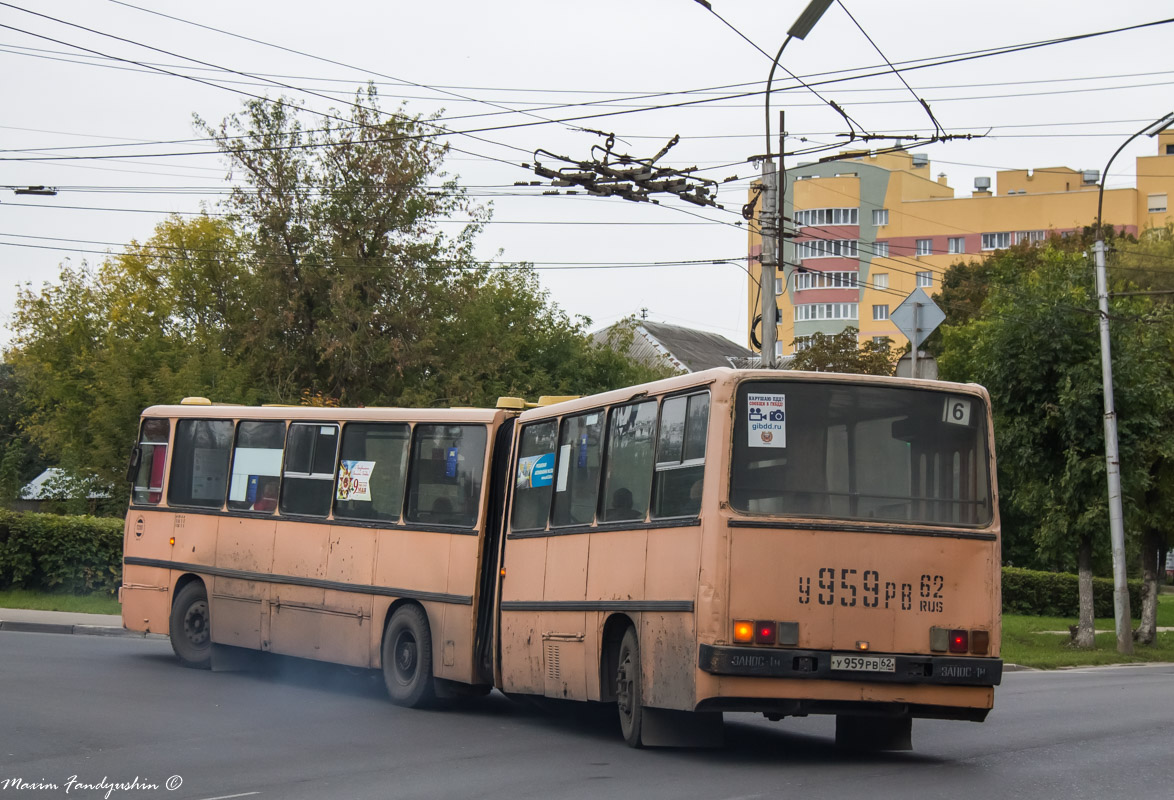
136 456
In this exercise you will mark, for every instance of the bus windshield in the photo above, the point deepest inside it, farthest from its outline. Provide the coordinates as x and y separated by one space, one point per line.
860 452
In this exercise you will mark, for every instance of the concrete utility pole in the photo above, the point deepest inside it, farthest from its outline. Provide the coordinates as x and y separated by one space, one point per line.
774 188
768 221
1121 612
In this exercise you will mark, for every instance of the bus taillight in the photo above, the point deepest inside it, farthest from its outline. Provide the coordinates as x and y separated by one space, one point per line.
743 631
765 632
980 642
959 641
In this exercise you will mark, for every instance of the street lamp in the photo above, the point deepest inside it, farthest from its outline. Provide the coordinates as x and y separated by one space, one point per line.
1121 613
772 210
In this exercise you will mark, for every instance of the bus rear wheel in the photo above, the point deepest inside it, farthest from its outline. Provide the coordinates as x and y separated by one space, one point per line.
628 689
407 658
191 627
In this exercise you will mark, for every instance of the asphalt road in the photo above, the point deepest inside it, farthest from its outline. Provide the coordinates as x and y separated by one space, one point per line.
121 709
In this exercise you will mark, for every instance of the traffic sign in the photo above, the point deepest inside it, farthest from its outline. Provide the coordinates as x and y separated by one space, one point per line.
917 317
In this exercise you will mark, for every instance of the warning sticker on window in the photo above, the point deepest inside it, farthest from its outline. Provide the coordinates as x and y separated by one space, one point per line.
766 417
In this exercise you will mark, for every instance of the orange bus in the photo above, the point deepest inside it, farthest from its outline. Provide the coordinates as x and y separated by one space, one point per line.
784 543
357 536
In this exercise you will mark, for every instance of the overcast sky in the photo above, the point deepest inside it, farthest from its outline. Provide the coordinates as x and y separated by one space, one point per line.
1069 104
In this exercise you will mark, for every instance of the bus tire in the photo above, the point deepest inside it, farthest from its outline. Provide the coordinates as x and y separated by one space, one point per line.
628 689
407 658
191 627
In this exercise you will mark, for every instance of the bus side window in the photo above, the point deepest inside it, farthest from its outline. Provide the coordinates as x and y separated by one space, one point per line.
256 466
576 483
631 438
148 479
199 470
534 476
680 456
308 482
445 476
372 471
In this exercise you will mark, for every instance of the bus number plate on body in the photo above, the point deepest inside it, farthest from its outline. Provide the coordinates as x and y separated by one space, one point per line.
864 663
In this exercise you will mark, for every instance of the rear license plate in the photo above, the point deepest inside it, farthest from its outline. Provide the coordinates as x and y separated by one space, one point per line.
864 663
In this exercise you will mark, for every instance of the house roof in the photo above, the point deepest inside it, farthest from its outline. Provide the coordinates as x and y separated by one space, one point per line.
48 486
694 350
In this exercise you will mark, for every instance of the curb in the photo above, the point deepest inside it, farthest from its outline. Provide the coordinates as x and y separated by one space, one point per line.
80 630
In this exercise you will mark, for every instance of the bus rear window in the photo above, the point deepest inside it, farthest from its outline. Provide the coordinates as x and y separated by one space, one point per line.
858 452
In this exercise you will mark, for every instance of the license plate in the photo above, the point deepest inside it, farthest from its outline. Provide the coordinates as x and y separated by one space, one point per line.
864 663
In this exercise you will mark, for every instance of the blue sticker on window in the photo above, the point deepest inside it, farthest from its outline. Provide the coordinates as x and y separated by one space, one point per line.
450 463
582 451
251 492
535 471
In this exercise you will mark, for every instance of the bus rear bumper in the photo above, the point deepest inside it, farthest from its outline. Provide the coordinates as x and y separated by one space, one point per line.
919 670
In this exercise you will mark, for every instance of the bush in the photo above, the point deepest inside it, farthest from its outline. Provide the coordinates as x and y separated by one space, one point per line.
55 553
1057 594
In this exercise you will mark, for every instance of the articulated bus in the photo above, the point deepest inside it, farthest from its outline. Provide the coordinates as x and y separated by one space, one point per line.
784 543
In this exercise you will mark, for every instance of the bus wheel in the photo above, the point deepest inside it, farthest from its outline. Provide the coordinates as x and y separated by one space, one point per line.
407 658
190 627
628 689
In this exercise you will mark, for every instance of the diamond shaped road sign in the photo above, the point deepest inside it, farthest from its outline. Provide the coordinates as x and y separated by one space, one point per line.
917 317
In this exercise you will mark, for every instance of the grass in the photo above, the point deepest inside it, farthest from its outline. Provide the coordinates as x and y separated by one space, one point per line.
1024 645
46 601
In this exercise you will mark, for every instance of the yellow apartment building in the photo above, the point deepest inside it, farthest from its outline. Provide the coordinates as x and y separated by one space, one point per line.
871 228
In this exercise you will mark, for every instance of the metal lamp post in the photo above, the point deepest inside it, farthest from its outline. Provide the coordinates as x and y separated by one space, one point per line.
1121 612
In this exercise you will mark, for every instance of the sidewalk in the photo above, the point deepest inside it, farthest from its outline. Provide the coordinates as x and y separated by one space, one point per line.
29 621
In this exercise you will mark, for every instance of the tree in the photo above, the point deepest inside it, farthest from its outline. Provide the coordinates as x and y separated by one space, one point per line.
842 352
1034 345
328 283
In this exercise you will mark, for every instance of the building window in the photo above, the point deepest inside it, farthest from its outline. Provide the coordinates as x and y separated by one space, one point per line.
824 280
778 285
925 279
826 248
1030 237
779 349
880 312
801 343
881 249
956 244
1157 203
880 281
924 247
816 311
882 341
827 216
996 241
880 216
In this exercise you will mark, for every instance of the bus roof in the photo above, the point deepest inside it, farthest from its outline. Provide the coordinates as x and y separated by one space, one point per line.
313 413
725 375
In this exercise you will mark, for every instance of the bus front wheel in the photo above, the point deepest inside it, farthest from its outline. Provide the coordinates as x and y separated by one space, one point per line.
407 658
628 689
191 627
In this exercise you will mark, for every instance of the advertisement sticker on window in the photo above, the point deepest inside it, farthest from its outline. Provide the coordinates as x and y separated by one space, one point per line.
536 471
766 418
354 478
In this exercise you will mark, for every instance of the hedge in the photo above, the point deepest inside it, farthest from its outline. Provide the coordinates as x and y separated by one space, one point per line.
1057 594
57 553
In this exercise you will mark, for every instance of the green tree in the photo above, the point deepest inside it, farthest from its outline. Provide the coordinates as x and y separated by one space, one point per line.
330 281
1034 345
843 352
